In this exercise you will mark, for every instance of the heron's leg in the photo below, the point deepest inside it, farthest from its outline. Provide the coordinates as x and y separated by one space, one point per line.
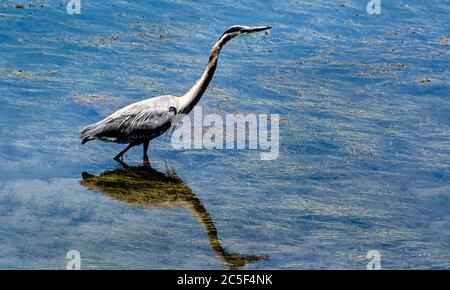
119 156
146 161
124 165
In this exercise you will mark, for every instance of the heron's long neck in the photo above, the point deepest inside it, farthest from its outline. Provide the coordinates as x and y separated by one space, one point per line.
191 98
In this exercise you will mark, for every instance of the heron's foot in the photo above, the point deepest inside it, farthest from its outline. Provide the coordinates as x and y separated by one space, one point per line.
146 162
120 160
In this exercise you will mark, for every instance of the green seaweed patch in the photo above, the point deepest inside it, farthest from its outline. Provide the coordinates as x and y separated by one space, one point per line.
346 4
425 81
142 35
397 65
28 74
106 41
370 41
221 93
91 99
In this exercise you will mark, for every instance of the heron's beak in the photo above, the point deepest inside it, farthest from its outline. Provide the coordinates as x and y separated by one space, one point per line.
256 29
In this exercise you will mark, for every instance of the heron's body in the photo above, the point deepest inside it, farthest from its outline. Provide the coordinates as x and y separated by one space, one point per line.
135 123
143 121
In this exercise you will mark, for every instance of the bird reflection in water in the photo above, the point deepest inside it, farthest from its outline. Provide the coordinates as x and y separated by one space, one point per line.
145 187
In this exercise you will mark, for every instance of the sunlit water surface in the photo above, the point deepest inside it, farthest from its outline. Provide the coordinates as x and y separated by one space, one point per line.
364 131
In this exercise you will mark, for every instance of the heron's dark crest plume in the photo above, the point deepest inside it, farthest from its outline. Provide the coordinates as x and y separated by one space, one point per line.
143 121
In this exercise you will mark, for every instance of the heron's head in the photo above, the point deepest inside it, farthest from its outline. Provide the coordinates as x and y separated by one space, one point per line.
238 30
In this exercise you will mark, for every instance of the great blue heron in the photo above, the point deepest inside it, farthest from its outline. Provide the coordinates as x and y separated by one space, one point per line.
143 121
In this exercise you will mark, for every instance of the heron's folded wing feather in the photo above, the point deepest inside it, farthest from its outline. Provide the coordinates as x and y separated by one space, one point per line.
138 122
146 120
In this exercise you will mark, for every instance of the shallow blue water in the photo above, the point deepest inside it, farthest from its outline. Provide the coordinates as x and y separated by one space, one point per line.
364 154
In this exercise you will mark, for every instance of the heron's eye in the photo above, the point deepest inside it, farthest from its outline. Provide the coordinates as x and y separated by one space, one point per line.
173 109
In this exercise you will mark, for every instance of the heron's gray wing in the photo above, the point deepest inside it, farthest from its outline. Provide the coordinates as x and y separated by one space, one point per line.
139 121
146 123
